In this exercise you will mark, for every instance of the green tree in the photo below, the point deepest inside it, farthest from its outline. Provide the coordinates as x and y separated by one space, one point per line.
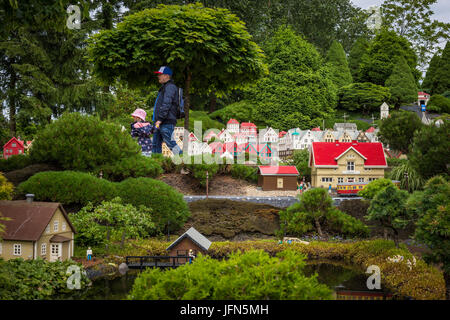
340 72
300 159
364 97
430 150
208 49
359 48
298 91
432 207
441 78
383 53
427 83
77 142
370 190
389 208
439 104
409 178
412 19
398 130
251 275
401 84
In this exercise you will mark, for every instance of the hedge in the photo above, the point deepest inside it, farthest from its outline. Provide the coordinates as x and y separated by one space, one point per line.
132 167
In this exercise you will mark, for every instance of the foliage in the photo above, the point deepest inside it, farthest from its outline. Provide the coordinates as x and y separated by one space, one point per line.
364 97
409 178
427 83
167 204
198 168
6 188
298 91
340 72
92 222
77 142
241 171
300 159
432 206
204 118
241 111
398 130
370 190
430 150
38 280
314 209
15 162
384 51
412 20
401 84
132 167
439 104
389 208
165 163
251 275
395 162
359 48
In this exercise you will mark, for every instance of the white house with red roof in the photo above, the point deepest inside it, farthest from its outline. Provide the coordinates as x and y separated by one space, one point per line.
249 128
14 146
422 98
233 126
338 162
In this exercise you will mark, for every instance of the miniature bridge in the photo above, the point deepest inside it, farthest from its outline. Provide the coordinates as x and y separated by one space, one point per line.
141 262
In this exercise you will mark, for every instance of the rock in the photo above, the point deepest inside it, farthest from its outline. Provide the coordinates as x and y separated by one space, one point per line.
123 268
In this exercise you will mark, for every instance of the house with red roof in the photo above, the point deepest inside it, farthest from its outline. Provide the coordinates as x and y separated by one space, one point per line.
233 126
422 98
338 162
249 128
13 147
277 177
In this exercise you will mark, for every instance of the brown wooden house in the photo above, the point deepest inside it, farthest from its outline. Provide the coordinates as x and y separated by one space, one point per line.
277 177
191 239
36 230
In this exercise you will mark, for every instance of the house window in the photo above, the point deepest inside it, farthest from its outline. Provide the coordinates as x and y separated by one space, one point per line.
372 179
63 226
55 226
350 166
20 151
17 249
55 249
279 183
350 179
327 179
43 249
340 180
360 179
13 145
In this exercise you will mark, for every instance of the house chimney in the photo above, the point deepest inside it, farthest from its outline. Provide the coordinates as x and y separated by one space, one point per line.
30 197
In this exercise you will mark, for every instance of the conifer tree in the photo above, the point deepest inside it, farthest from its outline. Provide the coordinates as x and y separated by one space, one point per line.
427 83
354 59
340 72
441 80
401 84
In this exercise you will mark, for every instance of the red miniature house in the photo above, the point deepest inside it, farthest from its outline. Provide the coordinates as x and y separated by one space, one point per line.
277 177
13 147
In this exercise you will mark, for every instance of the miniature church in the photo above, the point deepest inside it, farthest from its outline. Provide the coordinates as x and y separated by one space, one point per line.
384 111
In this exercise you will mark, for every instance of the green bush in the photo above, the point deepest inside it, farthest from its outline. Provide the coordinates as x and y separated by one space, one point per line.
371 189
77 142
439 104
252 275
132 167
166 163
240 171
15 162
167 204
68 187
38 280
366 97
198 171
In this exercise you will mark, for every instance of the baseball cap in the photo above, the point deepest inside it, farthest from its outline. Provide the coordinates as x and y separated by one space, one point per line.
164 70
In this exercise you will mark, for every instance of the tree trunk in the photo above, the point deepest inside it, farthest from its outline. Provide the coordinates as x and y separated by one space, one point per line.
12 103
395 237
212 102
122 242
108 236
385 233
319 229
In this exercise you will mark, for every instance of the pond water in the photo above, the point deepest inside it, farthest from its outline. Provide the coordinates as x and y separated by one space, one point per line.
340 278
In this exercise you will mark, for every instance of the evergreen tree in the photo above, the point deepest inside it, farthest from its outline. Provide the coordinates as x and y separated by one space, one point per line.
427 83
441 80
340 72
359 48
401 84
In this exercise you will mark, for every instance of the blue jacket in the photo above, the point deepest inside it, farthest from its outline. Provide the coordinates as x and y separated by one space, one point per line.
166 104
143 135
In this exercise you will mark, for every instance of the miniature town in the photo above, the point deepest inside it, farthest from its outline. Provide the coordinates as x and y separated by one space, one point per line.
324 177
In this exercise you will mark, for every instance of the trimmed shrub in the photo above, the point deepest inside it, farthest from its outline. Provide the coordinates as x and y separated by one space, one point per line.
77 142
251 275
15 162
240 171
132 167
6 188
198 171
165 163
439 104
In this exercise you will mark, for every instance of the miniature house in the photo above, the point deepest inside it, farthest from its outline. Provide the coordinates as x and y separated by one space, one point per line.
13 147
191 239
422 98
36 230
277 177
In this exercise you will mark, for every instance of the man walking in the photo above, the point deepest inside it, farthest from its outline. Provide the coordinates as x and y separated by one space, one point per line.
165 112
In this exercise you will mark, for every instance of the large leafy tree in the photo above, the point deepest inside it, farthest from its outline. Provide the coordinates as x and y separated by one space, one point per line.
364 97
389 208
401 84
357 51
427 83
383 53
374 187
430 150
398 130
441 77
340 72
208 49
411 19
298 91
